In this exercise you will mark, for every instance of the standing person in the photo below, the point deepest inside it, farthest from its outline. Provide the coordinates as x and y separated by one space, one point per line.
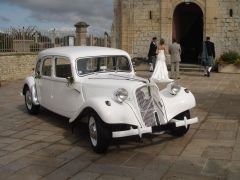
152 53
160 73
208 55
175 52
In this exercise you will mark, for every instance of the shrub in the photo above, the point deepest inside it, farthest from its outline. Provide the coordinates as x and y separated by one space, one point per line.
237 62
230 57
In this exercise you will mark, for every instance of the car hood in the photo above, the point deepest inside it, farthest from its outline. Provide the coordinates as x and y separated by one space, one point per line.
105 84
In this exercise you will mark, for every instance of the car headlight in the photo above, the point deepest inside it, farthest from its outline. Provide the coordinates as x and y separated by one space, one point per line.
174 88
120 95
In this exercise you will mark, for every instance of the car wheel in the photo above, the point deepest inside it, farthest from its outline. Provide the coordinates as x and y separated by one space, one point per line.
99 133
180 131
32 108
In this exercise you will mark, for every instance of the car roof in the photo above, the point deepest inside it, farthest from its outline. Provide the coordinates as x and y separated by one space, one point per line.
74 52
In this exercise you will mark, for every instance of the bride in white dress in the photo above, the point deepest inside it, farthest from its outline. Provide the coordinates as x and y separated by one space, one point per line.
160 73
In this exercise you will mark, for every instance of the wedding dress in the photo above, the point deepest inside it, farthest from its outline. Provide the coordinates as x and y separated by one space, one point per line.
160 73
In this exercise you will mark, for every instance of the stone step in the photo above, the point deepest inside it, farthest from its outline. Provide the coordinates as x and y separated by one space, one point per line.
191 67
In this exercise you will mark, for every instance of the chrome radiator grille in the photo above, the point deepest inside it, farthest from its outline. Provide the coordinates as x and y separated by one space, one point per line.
149 105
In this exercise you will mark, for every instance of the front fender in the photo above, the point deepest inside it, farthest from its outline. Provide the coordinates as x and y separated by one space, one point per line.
30 83
114 114
175 104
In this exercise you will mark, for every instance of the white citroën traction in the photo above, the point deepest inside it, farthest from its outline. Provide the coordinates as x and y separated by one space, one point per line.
99 84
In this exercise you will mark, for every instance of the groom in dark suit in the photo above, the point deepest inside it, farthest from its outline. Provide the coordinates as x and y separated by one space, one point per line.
152 53
209 57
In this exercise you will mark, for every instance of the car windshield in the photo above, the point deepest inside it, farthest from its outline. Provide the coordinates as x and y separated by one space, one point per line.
103 64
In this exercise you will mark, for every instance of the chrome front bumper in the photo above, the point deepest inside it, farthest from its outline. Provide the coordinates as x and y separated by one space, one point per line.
145 130
132 132
184 122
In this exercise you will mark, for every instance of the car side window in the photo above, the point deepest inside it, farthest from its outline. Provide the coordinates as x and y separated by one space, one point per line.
122 63
47 67
63 67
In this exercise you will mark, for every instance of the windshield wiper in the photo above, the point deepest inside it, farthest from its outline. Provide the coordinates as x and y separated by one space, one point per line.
121 70
131 79
104 71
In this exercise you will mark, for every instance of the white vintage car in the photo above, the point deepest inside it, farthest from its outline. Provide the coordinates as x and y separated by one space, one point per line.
99 84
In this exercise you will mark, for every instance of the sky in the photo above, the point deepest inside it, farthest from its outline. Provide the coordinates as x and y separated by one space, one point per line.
57 14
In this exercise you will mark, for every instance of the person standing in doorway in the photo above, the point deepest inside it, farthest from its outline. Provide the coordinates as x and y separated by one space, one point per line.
175 52
208 55
152 53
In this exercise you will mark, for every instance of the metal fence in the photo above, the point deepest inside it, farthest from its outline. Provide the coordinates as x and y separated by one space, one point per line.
29 39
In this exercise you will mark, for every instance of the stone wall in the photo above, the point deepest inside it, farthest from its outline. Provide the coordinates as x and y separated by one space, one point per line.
137 24
133 27
227 28
14 67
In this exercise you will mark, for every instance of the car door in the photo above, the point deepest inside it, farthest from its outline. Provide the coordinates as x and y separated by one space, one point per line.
43 78
66 100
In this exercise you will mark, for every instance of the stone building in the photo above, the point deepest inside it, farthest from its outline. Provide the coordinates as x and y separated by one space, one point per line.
189 21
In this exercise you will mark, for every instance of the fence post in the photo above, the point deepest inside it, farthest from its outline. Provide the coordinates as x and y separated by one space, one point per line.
81 33
53 36
91 40
24 41
105 39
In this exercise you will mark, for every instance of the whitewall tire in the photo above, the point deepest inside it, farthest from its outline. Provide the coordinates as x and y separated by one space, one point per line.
32 108
99 133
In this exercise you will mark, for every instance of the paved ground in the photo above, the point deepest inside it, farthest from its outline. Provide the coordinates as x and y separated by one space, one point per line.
43 147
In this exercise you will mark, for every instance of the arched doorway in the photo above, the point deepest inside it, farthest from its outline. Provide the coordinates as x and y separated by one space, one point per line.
188 31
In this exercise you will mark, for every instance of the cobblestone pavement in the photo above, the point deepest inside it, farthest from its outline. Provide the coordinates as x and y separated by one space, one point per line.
43 146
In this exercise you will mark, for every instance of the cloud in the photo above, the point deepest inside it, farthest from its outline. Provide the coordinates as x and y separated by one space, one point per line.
4 19
96 13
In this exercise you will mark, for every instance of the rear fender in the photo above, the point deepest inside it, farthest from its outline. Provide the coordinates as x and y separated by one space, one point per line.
30 83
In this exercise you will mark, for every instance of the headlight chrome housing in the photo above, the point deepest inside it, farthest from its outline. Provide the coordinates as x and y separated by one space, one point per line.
120 95
174 88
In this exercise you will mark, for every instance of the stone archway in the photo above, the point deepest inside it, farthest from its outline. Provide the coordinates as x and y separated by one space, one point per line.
188 30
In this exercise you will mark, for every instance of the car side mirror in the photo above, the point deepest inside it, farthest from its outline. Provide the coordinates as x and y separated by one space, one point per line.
70 81
134 64
38 76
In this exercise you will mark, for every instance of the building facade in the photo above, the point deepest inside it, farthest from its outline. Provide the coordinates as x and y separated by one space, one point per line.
189 21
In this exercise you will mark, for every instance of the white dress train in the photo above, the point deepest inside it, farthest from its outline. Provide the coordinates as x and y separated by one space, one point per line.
160 73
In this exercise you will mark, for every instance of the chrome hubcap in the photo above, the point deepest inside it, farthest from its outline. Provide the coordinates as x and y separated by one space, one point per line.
93 130
28 100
